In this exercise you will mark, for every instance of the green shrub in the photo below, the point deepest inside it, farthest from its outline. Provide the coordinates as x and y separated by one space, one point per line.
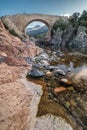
60 24
6 25
12 31
74 19
79 20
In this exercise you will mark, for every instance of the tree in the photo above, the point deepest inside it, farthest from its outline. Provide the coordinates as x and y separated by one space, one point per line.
84 15
74 18
83 19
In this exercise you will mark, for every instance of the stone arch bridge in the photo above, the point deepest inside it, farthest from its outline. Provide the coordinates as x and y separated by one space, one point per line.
20 21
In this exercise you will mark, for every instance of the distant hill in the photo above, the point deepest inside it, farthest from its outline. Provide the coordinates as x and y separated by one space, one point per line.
37 30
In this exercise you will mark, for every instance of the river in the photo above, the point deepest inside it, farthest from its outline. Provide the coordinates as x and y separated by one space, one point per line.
62 96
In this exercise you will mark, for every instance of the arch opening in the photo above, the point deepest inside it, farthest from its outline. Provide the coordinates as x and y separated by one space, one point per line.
37 29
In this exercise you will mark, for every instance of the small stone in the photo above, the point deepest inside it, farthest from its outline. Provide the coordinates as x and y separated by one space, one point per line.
67 104
37 65
72 102
70 88
49 84
59 89
49 74
62 59
69 70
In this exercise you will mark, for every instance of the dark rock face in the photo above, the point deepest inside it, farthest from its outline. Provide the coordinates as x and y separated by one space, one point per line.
79 42
73 38
62 37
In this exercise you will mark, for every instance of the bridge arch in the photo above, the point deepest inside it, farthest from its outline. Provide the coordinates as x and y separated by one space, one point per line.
38 20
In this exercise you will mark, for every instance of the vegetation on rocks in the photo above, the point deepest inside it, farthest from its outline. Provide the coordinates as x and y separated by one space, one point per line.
60 24
75 20
72 33
78 19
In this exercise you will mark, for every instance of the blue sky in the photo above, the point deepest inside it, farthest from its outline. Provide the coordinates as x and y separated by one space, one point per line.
54 7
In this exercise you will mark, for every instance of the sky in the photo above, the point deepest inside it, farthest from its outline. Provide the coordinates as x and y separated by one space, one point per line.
34 23
52 7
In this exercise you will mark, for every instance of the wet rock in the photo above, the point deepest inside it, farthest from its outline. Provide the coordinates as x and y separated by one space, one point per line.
59 89
44 62
59 53
63 67
37 65
65 82
36 73
44 56
52 59
69 69
59 71
52 67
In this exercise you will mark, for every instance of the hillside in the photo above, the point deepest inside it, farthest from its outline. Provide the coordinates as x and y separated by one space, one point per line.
37 30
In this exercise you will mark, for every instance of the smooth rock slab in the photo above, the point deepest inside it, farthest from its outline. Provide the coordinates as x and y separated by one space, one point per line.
51 122
18 105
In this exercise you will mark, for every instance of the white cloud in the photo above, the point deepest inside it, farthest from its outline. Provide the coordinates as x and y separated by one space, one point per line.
34 23
66 15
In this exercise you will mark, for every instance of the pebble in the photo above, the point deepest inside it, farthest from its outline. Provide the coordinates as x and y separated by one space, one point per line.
59 89
49 74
